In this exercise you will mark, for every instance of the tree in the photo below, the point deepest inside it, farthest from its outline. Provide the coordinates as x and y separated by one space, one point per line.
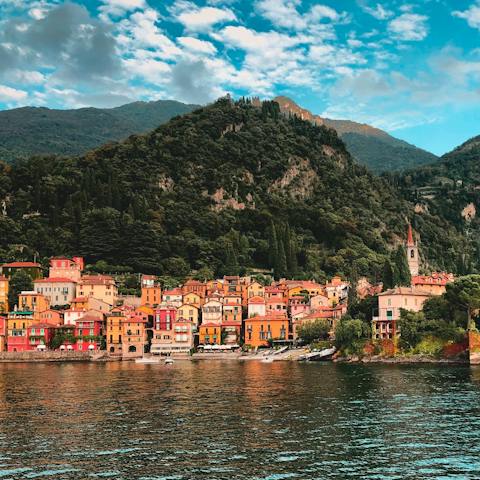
317 330
387 275
19 282
349 332
464 293
402 275
411 326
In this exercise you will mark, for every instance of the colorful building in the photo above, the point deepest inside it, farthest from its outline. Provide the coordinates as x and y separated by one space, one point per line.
256 306
173 297
255 289
193 299
436 283
40 335
114 330
189 312
133 335
390 304
33 301
212 311
89 331
337 290
102 287
259 331
3 294
175 340
411 250
60 291
151 291
18 323
62 267
3 333
196 287
210 334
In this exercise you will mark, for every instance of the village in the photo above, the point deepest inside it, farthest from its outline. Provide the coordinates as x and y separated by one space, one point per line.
73 311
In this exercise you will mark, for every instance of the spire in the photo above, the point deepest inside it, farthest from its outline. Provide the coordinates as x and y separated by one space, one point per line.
410 242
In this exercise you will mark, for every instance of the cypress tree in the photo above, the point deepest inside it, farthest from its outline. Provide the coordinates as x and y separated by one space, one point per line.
272 245
402 275
387 275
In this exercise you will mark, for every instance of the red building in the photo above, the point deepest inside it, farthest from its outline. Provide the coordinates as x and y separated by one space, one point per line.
3 333
88 332
39 336
164 317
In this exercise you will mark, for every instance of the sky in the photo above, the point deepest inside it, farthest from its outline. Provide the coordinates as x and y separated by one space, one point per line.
410 68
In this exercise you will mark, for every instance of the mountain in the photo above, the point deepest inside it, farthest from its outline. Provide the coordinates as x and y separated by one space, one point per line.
450 188
370 146
224 189
31 131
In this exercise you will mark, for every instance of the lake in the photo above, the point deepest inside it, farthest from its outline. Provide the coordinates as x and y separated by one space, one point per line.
238 420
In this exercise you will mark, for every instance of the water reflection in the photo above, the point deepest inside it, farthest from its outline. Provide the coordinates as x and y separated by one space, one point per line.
248 420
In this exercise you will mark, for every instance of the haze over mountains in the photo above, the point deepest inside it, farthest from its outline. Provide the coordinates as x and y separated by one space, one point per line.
370 146
31 131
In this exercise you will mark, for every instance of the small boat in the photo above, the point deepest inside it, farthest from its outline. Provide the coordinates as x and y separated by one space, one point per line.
147 360
168 361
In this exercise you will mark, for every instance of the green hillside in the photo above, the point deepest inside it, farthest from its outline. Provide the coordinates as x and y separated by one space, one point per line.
226 188
32 131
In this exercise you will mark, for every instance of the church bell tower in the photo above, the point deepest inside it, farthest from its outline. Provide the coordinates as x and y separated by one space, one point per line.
412 253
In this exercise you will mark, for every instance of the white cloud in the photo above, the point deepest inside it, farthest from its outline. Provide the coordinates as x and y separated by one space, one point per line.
152 70
195 45
471 15
409 27
200 19
9 94
27 77
118 8
378 11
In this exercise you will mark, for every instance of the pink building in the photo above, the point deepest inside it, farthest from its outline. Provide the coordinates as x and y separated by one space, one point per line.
173 297
298 304
73 314
276 305
63 267
390 304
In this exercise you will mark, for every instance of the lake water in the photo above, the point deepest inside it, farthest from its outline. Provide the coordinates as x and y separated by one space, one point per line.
238 420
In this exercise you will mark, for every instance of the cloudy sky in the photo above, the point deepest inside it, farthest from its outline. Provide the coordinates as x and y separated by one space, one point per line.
411 68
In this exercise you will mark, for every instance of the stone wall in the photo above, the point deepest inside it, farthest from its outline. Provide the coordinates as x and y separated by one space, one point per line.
474 347
48 356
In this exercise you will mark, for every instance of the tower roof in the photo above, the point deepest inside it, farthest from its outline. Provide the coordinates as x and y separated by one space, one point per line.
410 242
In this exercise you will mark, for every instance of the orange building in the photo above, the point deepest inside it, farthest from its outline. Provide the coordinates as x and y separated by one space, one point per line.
194 286
210 334
114 328
33 302
260 329
62 267
3 294
436 283
133 334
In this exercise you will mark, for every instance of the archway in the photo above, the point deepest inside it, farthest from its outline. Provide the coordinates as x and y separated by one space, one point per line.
132 348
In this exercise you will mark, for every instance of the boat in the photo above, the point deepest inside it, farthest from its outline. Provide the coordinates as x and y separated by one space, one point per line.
147 360
168 361
325 354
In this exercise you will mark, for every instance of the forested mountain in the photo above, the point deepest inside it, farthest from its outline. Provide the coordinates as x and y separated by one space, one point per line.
370 146
32 131
226 188
450 188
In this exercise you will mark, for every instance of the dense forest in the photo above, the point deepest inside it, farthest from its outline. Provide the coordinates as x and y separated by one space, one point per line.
228 188
449 189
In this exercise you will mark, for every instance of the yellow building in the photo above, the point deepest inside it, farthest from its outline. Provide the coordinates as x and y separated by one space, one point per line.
3 294
193 299
188 312
101 287
255 289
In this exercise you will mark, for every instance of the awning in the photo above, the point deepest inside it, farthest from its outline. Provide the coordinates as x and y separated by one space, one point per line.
69 347
91 347
62 347
41 347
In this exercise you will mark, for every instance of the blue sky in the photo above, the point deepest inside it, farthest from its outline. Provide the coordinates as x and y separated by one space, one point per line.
410 68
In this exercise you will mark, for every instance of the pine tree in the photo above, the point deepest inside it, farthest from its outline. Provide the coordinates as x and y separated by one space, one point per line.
280 268
231 261
402 275
272 245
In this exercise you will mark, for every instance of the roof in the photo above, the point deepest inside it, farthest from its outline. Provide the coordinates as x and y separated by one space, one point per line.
89 318
436 278
22 265
231 324
325 312
193 282
268 318
410 242
41 325
55 280
276 300
406 291
173 291
3 278
210 324
96 280
256 300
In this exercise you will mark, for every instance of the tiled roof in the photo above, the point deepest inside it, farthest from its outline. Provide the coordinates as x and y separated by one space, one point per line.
55 280
22 265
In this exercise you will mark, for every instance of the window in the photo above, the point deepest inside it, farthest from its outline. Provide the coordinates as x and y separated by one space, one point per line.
412 254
